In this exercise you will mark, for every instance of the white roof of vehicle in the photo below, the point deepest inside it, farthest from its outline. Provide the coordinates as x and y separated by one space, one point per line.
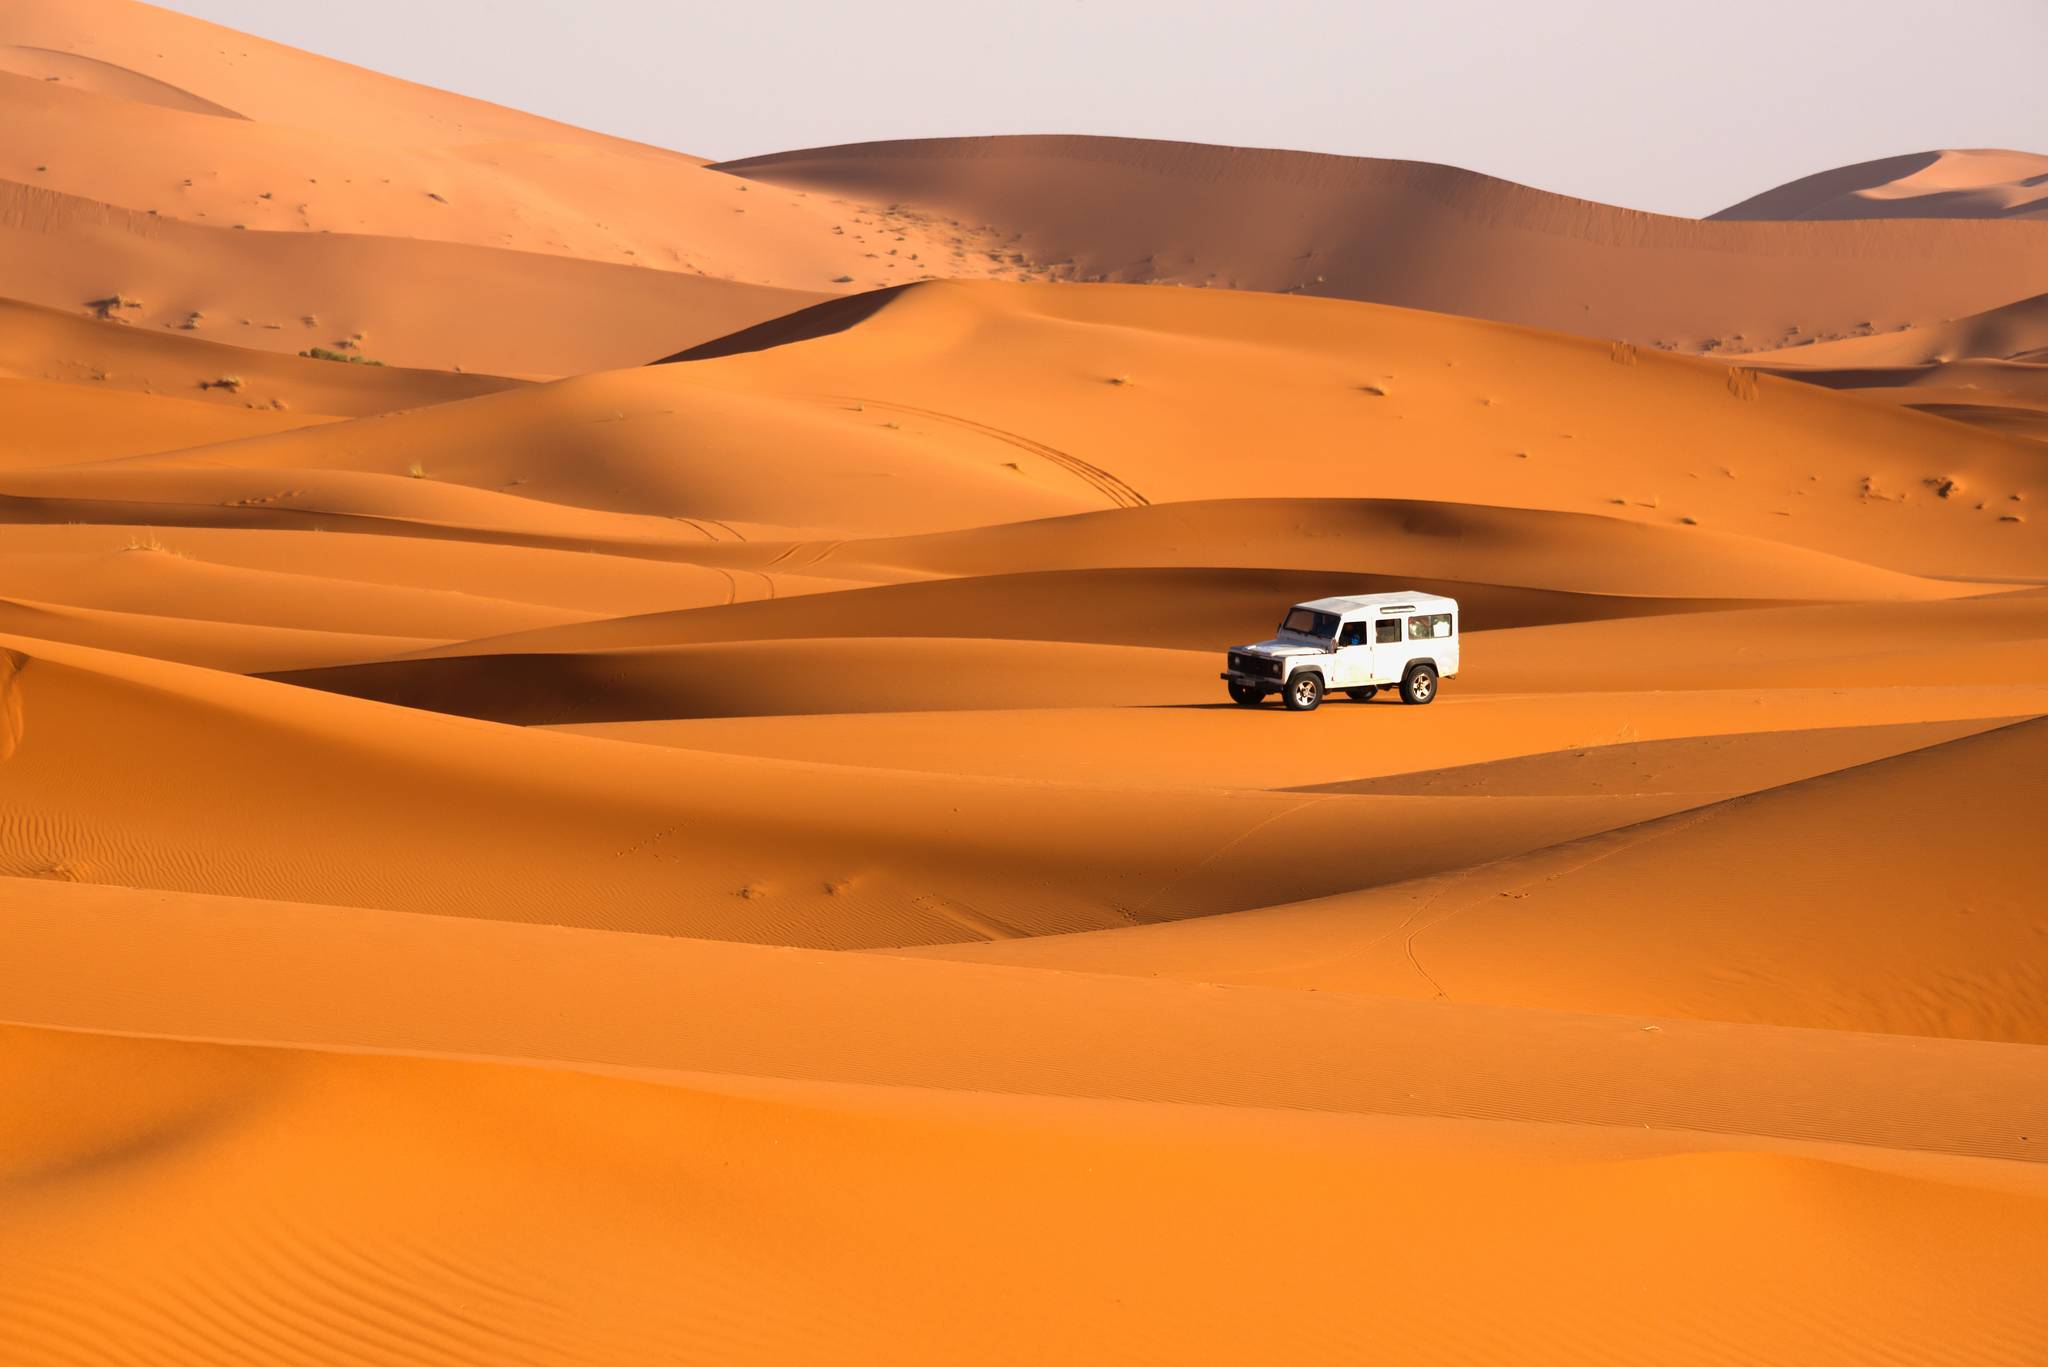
1370 603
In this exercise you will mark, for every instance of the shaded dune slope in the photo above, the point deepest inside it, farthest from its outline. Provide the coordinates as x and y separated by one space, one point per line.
1426 236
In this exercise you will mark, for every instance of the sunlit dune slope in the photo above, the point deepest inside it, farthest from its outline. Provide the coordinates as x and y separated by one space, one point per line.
247 599
1899 897
432 304
2015 332
2001 639
952 406
1173 395
1708 744
257 788
236 646
809 1224
59 424
744 1011
1989 369
900 648
1425 236
92 43
1972 183
125 116
38 343
595 200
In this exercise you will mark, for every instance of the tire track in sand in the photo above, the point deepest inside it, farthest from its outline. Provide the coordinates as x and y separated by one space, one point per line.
1119 494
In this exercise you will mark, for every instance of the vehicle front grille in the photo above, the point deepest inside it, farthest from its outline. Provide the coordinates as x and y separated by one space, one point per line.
1254 664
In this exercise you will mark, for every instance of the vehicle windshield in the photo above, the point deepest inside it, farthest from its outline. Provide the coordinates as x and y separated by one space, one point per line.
1308 622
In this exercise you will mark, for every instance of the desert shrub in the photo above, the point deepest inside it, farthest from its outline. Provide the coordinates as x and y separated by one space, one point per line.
321 353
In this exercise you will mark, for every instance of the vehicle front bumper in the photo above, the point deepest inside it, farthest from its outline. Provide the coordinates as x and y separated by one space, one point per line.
1242 676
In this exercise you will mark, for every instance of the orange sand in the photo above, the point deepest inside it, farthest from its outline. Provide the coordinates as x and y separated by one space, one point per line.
746 859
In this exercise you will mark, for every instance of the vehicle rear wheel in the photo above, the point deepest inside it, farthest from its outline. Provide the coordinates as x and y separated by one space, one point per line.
1361 694
1419 685
1303 693
1244 695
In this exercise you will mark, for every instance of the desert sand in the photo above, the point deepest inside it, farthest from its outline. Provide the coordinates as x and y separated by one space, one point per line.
665 796
1951 183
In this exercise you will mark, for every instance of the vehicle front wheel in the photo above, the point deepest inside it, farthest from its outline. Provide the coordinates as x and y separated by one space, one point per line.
1361 694
1304 693
1419 685
1244 695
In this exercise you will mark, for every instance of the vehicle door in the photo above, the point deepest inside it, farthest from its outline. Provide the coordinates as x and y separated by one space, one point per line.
1390 653
1352 666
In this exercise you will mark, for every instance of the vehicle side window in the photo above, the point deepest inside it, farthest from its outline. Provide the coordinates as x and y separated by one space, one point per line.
1435 625
1387 631
1354 634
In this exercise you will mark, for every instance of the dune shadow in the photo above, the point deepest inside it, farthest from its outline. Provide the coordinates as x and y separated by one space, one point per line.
806 324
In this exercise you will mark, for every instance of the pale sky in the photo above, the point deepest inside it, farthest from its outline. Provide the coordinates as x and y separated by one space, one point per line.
1681 106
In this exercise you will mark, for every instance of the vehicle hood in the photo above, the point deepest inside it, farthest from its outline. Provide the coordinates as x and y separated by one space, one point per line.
1280 647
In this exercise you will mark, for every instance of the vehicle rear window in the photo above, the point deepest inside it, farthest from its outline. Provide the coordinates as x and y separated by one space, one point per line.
1429 626
1387 631
1309 622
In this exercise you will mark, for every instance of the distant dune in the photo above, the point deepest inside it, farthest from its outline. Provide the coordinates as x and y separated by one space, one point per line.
1426 236
1978 183
594 770
275 199
392 299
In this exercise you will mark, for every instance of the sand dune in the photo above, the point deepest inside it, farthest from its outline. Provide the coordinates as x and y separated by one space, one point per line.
51 344
1976 183
619 203
154 157
688 844
1845 936
899 649
1424 236
1224 396
1388 1114
241 75
709 1250
238 647
53 424
1989 369
1151 388
440 305
747 858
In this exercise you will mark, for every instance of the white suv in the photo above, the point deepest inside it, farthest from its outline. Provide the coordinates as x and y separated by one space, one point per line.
1359 645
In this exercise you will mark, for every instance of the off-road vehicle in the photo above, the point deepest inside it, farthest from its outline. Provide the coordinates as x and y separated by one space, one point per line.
1354 645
